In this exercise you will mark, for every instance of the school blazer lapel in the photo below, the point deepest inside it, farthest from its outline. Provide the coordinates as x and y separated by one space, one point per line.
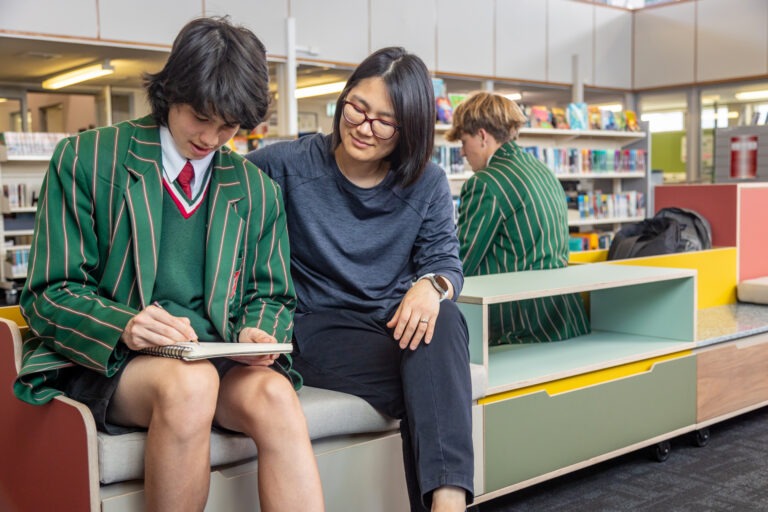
223 256
144 199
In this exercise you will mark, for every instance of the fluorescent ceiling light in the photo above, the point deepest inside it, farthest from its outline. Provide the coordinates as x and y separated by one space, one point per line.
79 75
515 96
320 90
3 100
752 95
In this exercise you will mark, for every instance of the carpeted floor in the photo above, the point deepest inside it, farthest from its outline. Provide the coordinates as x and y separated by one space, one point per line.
730 473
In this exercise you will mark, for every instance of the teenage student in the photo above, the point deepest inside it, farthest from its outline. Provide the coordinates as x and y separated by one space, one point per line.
512 217
157 211
375 260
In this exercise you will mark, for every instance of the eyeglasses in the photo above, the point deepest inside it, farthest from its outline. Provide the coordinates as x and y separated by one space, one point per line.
381 129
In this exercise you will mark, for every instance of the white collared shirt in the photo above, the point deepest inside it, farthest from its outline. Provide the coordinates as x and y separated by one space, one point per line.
173 162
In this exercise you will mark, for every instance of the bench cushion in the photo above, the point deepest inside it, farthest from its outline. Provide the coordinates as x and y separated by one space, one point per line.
328 413
753 290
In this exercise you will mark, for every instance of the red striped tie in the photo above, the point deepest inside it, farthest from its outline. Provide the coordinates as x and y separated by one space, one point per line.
185 178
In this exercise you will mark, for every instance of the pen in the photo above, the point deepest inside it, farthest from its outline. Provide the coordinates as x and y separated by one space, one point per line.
155 303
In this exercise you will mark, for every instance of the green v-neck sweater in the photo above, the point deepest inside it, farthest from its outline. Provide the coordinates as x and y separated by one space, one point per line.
179 286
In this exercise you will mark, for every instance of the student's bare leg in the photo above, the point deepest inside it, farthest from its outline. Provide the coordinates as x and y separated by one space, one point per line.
176 401
262 404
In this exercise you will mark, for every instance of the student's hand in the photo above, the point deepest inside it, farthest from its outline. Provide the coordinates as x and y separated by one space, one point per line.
415 317
254 335
155 326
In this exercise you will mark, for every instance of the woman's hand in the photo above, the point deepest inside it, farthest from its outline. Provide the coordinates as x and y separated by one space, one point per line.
254 335
415 317
154 326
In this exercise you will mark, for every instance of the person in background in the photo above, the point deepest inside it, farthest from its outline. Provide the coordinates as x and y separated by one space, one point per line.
375 260
512 217
150 232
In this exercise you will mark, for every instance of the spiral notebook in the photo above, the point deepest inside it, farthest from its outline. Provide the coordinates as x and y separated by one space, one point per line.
190 351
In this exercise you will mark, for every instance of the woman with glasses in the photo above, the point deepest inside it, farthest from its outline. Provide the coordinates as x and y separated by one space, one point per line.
375 261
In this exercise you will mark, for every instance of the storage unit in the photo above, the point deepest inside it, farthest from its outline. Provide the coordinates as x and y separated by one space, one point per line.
732 342
731 349
554 407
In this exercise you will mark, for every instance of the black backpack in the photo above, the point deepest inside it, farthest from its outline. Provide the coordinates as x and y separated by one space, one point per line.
696 231
648 237
671 230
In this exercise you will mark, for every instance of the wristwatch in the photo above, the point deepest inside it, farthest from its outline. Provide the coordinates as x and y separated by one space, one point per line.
435 280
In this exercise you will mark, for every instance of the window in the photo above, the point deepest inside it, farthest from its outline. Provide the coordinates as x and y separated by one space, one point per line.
664 121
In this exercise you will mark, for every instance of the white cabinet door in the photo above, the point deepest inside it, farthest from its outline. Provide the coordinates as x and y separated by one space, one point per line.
266 18
74 18
570 30
521 45
146 21
613 48
732 39
411 24
664 45
333 30
465 37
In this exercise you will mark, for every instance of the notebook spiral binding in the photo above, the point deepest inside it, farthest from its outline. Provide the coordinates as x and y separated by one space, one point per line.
174 351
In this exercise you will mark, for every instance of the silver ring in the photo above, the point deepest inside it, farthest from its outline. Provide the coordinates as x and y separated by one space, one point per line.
422 321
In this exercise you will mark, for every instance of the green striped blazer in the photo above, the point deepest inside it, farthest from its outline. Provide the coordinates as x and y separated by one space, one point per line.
94 253
513 217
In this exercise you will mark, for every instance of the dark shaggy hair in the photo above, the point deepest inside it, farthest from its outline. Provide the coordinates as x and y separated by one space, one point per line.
219 69
410 89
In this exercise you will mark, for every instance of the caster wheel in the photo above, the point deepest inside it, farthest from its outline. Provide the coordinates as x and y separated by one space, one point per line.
661 451
701 437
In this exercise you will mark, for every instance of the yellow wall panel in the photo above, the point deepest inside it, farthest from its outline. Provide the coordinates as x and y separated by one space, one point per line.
717 272
596 256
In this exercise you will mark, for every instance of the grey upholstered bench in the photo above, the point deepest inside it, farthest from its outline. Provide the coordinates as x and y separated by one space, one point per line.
358 452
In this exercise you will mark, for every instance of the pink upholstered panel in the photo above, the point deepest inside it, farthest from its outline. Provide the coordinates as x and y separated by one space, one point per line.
753 236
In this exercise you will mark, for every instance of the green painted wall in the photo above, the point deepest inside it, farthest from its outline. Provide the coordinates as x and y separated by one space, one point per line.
666 151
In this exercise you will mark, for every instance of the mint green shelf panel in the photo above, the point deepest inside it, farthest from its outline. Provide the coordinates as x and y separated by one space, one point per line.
664 309
473 313
516 366
513 286
636 313
533 435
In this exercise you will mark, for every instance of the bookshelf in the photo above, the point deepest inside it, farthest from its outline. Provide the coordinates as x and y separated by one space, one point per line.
24 158
20 181
604 166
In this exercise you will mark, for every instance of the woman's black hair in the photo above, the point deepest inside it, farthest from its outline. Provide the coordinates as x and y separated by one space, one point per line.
219 69
410 89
